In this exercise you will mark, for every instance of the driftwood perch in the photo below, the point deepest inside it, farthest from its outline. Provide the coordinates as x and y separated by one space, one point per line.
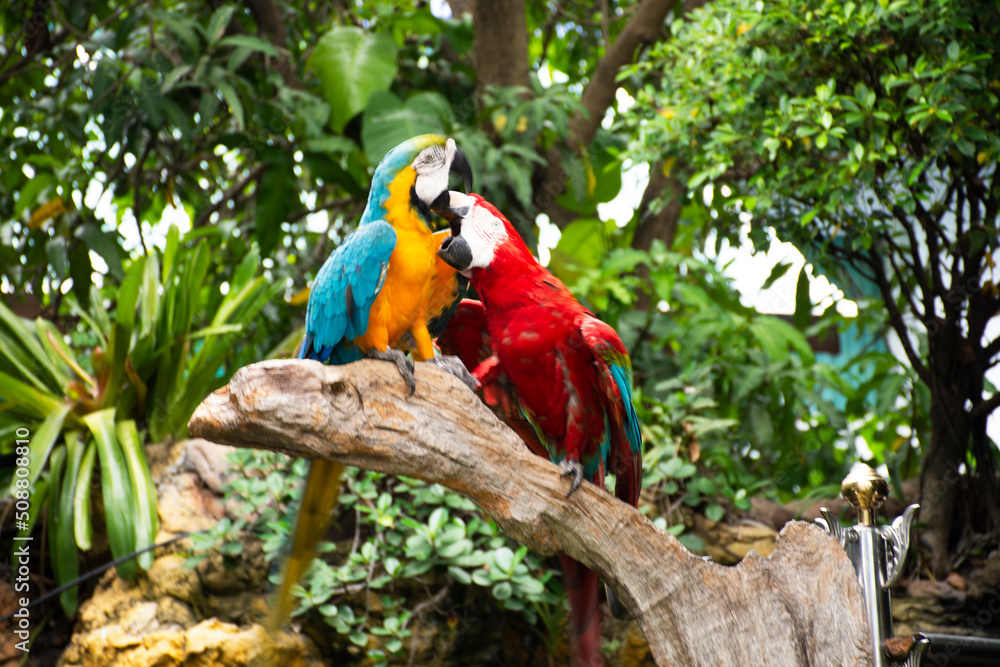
800 606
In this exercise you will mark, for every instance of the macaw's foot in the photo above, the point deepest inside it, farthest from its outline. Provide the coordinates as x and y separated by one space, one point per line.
403 363
454 366
576 470
618 610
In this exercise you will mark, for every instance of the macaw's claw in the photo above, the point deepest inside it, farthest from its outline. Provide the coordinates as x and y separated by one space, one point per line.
403 363
573 468
454 366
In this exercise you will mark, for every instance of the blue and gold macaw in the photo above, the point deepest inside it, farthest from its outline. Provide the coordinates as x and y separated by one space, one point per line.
382 293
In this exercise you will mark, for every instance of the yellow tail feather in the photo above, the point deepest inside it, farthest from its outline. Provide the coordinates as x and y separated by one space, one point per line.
318 501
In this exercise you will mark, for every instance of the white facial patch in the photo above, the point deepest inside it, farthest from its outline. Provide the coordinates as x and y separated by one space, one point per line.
433 166
484 232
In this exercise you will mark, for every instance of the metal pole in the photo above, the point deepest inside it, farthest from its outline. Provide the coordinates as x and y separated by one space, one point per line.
877 553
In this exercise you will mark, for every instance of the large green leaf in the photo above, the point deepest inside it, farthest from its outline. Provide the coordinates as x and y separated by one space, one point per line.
118 507
580 246
22 395
143 493
82 526
24 351
275 199
121 334
44 438
803 304
65 557
389 122
352 64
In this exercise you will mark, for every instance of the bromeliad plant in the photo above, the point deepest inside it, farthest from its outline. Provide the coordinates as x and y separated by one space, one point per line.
132 373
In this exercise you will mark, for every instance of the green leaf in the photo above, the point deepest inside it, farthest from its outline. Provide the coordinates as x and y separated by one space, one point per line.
217 24
803 305
232 98
692 542
351 65
714 512
274 203
172 77
82 528
888 391
146 519
17 393
249 42
459 575
502 590
388 122
27 353
80 270
181 26
761 426
777 271
118 508
581 244
504 559
55 250
64 546
44 439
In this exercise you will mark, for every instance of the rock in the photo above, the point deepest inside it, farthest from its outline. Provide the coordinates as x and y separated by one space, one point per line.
186 500
956 581
729 543
178 615
209 462
209 643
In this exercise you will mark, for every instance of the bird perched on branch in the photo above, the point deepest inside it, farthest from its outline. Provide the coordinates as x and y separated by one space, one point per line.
554 367
382 293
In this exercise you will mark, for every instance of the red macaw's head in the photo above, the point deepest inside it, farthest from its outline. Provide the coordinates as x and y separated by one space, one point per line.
480 235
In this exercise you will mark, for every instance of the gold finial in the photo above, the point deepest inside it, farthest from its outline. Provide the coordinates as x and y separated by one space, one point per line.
865 490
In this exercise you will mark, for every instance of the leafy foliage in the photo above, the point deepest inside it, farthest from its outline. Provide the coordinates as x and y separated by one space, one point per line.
864 133
171 337
403 529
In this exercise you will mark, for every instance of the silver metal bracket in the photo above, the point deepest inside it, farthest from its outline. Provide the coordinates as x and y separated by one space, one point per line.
830 524
897 544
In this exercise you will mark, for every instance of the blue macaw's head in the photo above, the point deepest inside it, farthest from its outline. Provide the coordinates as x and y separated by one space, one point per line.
422 163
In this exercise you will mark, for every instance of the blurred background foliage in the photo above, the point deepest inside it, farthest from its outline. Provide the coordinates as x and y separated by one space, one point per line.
176 173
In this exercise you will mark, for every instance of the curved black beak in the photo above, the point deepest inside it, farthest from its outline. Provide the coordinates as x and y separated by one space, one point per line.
455 252
460 165
452 206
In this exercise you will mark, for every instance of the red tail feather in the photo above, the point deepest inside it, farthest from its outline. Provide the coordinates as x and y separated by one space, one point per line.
585 632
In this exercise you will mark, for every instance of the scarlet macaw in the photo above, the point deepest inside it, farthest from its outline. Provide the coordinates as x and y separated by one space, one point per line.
381 292
554 364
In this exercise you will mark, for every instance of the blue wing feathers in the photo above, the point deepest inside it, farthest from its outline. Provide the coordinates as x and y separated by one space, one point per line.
624 383
344 291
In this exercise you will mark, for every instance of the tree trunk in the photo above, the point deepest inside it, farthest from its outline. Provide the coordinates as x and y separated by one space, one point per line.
800 606
662 223
501 43
952 374
939 481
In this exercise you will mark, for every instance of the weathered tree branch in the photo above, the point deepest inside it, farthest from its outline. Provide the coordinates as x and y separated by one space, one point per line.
800 606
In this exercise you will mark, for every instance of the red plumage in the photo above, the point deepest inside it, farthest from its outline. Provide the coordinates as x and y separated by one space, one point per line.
553 365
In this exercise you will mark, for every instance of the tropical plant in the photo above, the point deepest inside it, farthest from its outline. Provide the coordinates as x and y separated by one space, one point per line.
171 337
865 133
